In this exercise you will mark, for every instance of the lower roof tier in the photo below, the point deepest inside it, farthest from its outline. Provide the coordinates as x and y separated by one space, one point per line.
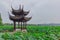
20 13
19 19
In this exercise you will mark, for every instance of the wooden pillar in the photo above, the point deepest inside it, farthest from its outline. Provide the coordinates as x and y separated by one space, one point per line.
18 24
14 25
21 25
25 25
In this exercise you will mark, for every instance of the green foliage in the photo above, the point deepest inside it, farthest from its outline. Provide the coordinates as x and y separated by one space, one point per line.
34 33
7 36
1 20
30 36
6 28
15 36
43 29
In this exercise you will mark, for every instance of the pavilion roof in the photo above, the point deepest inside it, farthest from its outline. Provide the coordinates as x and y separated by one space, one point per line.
20 11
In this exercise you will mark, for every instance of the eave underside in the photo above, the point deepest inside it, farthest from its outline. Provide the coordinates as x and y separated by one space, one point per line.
19 19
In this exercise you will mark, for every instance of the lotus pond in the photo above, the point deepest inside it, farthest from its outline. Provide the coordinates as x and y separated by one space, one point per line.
34 32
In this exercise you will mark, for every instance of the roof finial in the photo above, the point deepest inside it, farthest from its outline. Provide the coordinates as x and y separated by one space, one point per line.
20 7
12 8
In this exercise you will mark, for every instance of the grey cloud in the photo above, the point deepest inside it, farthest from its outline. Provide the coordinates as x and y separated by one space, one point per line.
42 11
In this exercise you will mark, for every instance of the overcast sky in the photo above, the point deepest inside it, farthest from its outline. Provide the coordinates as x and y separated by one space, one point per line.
42 11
